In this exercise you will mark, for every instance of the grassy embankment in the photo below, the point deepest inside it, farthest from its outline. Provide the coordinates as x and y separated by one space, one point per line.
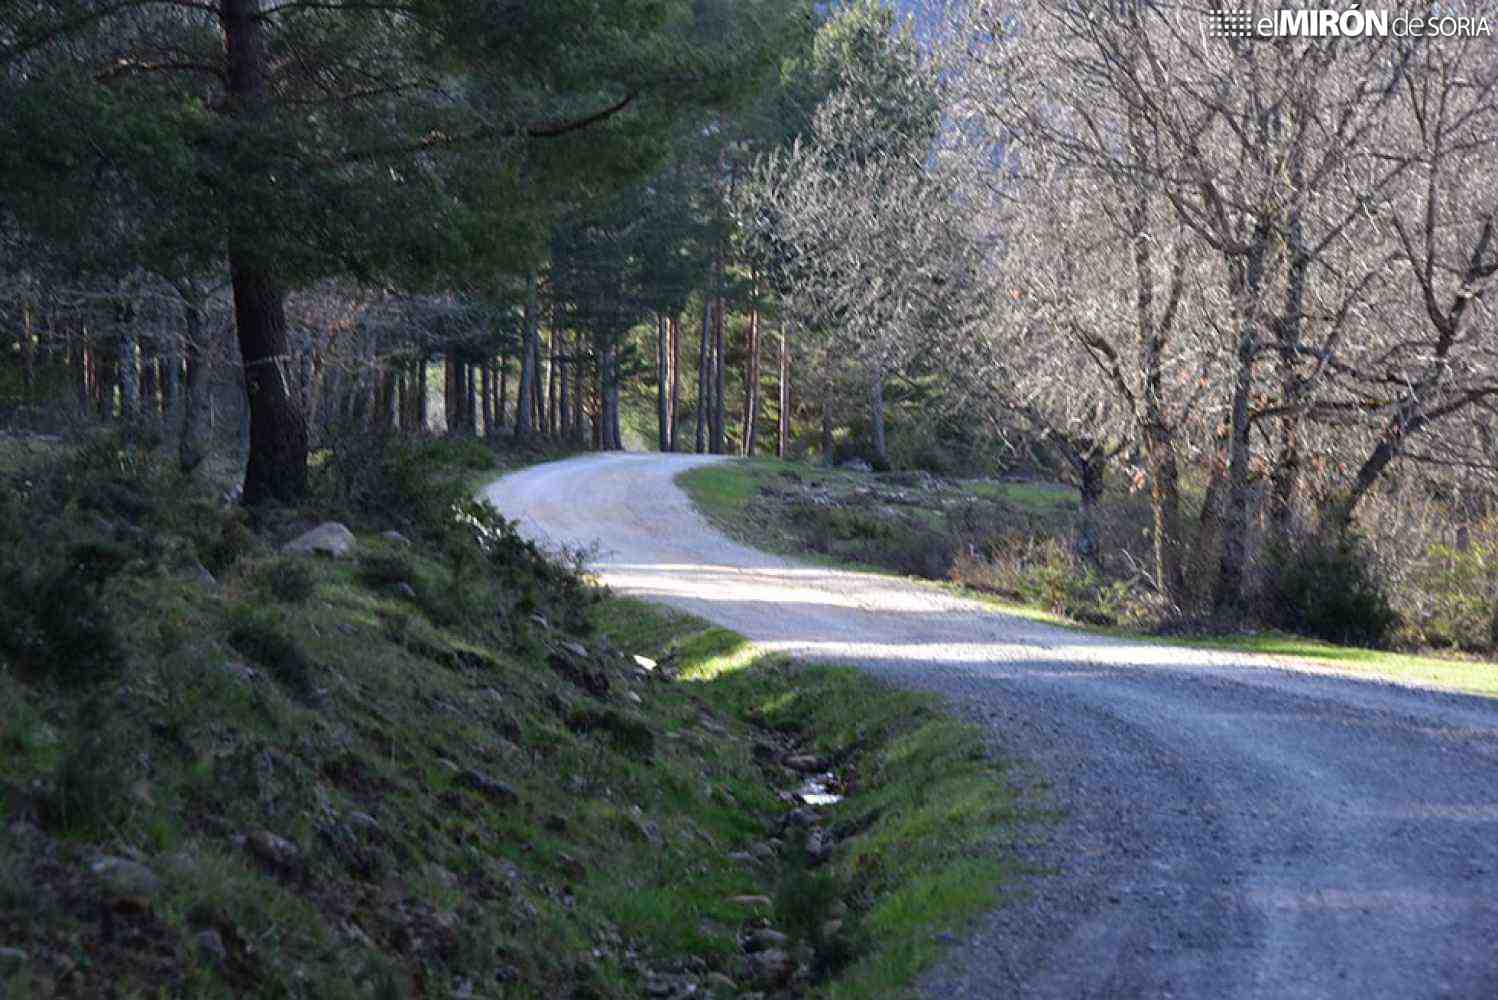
434 768
744 499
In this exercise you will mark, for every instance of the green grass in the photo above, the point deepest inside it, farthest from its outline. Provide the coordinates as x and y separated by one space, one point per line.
925 831
724 493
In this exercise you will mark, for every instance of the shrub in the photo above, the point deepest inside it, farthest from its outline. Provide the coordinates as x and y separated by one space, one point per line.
1044 572
261 636
53 618
1326 588
290 580
385 570
1456 589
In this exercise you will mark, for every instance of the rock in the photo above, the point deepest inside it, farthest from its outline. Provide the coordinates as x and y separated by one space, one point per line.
241 671
856 465
831 928
763 851
720 984
644 662
328 539
800 817
396 537
773 967
195 572
489 788
403 589
270 848
819 844
765 939
126 878
210 945
363 821
540 620
804 762
575 648
750 900
632 696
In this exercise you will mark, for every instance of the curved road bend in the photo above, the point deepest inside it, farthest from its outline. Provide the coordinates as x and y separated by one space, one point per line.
1232 827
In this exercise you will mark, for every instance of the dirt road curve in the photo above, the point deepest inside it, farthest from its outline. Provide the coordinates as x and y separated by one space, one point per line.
1231 828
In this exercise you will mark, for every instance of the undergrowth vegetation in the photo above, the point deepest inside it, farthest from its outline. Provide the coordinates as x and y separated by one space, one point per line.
1015 540
444 765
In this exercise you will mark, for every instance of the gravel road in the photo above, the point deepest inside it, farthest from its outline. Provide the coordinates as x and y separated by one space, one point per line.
1230 826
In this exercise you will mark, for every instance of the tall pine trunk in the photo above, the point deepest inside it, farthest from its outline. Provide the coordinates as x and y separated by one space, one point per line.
193 445
720 409
525 405
662 387
277 465
751 370
783 415
704 400
674 330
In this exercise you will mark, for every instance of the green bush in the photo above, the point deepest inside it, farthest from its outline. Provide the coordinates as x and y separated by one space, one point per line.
1326 588
1044 572
1456 589
290 580
261 635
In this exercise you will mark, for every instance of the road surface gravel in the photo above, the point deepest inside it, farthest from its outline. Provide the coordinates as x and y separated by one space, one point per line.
1229 826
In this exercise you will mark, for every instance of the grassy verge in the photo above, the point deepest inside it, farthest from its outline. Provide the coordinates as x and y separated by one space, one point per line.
434 768
919 839
741 498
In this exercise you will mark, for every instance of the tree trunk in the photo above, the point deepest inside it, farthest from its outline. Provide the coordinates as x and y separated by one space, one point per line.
525 405
450 391
488 396
783 415
104 378
827 444
1089 468
28 348
127 371
876 420
720 409
703 398
471 399
504 389
751 370
171 380
1229 591
150 394
391 410
553 370
674 330
579 387
1165 504
565 402
421 395
277 465
662 387
193 445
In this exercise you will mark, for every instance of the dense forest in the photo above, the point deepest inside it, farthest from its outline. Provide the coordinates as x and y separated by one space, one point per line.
1248 281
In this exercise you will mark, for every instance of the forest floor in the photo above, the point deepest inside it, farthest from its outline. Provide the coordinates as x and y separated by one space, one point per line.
906 523
1228 825
437 765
